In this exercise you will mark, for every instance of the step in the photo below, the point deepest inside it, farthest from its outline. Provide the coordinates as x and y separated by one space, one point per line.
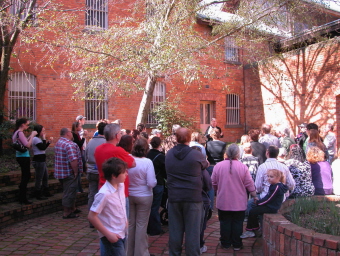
9 194
14 177
14 212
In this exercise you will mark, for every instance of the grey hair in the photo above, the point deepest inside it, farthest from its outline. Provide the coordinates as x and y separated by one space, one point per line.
63 131
233 152
110 131
175 127
285 131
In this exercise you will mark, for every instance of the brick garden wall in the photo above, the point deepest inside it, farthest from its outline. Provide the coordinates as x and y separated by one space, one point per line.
281 237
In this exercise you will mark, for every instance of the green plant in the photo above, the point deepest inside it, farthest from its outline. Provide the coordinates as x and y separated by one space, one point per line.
319 215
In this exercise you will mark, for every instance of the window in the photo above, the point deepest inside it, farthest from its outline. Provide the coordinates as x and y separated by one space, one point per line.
96 103
207 108
22 96
97 14
233 109
158 97
231 50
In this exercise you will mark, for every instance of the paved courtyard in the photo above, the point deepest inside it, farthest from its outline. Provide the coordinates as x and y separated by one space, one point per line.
52 235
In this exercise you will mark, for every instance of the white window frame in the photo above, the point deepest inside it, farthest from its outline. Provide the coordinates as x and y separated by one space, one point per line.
96 16
157 98
233 109
22 98
231 50
96 105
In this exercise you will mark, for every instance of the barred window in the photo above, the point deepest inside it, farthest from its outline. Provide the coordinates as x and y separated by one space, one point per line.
231 50
97 13
158 97
22 96
96 104
233 109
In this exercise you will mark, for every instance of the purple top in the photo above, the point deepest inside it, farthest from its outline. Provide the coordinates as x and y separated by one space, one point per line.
322 178
232 186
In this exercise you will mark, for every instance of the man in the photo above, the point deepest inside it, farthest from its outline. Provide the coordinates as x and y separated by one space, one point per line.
170 141
261 183
286 141
92 170
330 141
109 149
268 139
213 124
258 149
68 165
302 136
184 167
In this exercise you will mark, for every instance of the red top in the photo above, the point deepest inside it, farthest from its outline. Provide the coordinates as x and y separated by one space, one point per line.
106 151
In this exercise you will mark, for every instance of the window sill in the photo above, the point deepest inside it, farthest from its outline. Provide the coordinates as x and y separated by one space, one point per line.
89 126
232 62
233 126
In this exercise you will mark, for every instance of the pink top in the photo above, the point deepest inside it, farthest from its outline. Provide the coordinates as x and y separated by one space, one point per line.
232 187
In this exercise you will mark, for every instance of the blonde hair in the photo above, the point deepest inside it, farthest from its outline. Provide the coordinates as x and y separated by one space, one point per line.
279 174
215 133
244 139
315 155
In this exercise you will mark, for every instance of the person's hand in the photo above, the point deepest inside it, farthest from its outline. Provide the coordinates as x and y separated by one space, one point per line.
51 139
34 133
113 237
256 199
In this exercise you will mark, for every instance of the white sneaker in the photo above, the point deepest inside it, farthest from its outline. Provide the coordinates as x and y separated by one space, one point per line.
203 249
248 234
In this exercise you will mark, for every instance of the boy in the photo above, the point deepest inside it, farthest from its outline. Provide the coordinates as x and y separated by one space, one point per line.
108 212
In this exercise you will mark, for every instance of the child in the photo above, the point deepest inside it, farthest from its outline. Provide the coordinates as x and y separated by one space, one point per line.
271 203
108 212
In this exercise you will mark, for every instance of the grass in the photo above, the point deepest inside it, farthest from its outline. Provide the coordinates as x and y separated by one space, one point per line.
319 215
9 162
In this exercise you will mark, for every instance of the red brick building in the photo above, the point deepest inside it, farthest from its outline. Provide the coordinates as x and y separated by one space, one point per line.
302 86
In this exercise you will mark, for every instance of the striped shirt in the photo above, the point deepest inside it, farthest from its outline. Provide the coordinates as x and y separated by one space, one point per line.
261 182
66 151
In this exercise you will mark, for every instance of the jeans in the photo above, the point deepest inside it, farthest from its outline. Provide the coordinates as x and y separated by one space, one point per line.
41 175
204 223
24 163
211 193
254 213
112 249
184 217
155 226
231 227
93 179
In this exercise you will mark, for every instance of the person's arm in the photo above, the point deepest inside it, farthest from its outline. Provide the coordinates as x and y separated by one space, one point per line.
206 180
270 196
259 180
74 166
290 182
151 180
214 180
95 221
43 145
27 142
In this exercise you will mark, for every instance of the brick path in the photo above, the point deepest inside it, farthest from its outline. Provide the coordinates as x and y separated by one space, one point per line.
52 235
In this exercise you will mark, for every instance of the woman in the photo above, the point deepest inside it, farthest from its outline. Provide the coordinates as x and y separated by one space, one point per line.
231 180
300 169
321 171
158 159
142 180
336 175
39 146
244 139
314 140
195 141
215 152
76 128
23 159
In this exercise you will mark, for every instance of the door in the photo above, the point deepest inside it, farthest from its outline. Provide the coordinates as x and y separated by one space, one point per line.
206 113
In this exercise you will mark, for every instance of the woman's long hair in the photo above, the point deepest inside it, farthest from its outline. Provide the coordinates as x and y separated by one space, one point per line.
38 128
233 152
140 147
314 137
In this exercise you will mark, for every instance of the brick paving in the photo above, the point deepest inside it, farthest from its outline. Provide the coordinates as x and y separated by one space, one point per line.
52 235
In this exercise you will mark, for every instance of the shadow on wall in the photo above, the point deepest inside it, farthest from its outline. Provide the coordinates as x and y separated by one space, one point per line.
295 87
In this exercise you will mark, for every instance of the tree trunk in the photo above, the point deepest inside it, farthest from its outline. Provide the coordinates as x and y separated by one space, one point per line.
144 106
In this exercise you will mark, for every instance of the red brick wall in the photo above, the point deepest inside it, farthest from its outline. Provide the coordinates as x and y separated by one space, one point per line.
296 87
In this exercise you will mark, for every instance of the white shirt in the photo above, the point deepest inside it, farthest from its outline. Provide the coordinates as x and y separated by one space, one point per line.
110 204
142 178
336 177
261 182
269 139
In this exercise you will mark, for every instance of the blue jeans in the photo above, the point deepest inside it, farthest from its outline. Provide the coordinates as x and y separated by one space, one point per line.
185 217
112 249
155 226
211 193
231 227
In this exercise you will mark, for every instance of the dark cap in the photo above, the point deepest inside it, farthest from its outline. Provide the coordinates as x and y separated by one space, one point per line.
303 125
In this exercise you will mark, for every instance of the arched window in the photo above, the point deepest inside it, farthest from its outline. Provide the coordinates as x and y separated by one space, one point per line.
22 95
233 109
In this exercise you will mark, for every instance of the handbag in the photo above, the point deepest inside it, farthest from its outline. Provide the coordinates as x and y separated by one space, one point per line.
19 147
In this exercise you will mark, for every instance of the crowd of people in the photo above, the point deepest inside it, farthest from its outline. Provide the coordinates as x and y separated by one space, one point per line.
128 171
